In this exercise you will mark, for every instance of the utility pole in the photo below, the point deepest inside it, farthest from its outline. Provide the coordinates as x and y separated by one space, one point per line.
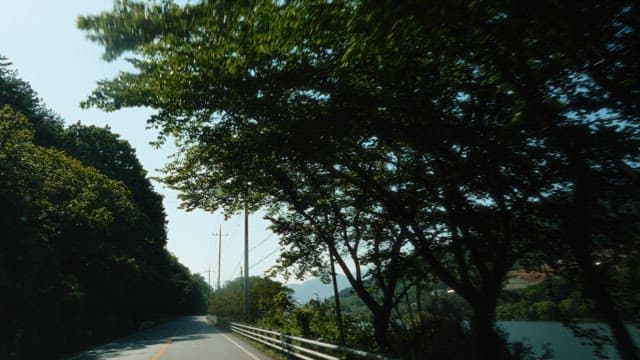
245 283
208 272
220 235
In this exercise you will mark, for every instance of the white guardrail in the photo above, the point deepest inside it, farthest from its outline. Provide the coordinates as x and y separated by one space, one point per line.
301 348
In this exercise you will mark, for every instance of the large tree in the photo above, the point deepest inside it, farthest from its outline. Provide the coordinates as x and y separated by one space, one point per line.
317 229
19 94
484 130
266 297
114 157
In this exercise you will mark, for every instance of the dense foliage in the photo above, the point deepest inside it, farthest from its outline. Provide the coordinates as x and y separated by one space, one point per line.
82 255
428 323
559 298
454 138
553 300
266 297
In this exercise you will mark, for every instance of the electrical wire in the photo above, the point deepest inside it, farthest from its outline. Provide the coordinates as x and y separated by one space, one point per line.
236 267
265 257
261 242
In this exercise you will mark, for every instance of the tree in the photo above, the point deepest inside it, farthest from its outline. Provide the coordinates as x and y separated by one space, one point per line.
114 157
56 215
266 298
309 95
19 94
364 247
452 118
82 255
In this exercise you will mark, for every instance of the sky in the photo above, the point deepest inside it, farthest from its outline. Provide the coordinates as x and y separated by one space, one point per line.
42 41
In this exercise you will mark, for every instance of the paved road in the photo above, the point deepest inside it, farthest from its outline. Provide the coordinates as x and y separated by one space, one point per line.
185 338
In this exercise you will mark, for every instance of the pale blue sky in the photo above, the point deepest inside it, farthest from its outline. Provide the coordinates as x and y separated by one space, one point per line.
40 38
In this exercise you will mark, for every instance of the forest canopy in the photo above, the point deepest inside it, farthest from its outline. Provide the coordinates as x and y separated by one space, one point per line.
82 256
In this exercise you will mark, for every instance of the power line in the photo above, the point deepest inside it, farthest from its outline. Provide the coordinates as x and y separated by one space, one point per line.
261 242
236 267
265 258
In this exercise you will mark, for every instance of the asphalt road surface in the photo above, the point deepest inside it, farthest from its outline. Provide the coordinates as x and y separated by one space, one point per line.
185 338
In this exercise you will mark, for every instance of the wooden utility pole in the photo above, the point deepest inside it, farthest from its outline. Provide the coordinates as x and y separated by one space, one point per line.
208 272
209 284
245 283
220 235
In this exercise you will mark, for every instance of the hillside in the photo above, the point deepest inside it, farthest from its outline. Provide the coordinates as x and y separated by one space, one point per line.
314 288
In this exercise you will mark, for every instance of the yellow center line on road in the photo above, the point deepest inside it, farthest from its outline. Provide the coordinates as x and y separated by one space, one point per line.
162 350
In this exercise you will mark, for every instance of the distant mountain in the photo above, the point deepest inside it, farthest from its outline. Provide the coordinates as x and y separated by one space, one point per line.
314 288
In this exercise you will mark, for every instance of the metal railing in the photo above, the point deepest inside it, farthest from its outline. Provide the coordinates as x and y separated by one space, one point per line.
299 347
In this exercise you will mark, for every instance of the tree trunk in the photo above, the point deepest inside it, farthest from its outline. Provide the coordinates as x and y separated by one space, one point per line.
381 313
488 344
594 282
419 301
595 287
336 297
381 328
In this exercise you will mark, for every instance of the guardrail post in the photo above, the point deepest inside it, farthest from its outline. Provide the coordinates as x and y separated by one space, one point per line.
286 345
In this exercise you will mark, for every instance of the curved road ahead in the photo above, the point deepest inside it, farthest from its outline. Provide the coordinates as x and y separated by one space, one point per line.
189 337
